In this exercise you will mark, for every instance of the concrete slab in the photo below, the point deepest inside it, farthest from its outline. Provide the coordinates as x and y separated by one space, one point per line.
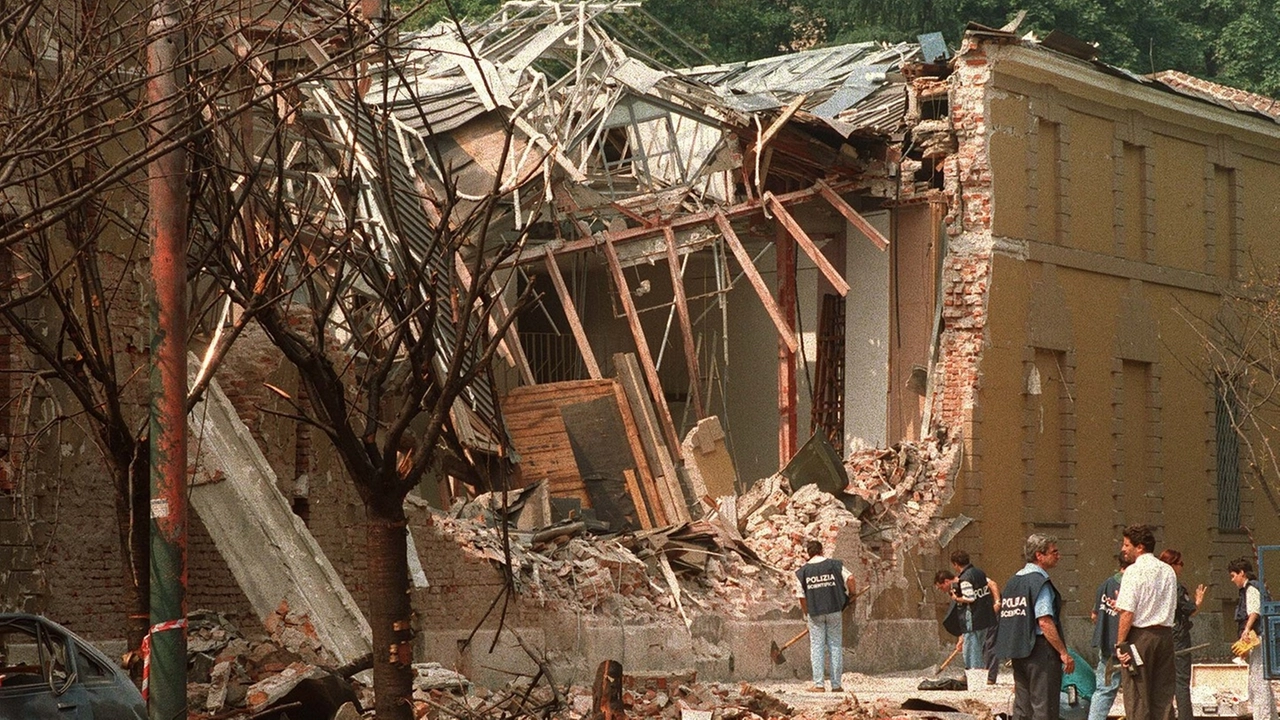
270 552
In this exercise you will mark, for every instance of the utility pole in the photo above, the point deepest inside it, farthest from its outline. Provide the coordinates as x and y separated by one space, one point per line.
165 673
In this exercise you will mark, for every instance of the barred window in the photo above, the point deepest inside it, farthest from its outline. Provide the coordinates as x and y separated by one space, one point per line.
1226 410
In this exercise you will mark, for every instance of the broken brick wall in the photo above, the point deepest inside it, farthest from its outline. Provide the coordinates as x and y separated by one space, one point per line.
1083 210
58 523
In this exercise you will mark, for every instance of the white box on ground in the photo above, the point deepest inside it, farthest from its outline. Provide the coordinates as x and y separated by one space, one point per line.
1219 690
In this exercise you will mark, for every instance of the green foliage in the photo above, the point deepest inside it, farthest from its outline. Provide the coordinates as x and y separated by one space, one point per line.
729 30
1246 51
420 14
1234 42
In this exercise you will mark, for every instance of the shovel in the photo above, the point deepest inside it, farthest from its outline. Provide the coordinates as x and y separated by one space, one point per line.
947 662
775 652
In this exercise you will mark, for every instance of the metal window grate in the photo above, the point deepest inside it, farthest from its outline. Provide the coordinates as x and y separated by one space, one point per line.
1226 407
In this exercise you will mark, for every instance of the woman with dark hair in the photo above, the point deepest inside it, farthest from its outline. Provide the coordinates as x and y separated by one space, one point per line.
1248 616
1182 613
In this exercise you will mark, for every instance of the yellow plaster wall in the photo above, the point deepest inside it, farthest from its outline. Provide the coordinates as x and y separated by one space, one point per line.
1179 168
1090 159
1095 289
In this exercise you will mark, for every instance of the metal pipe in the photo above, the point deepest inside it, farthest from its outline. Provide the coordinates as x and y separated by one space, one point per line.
167 185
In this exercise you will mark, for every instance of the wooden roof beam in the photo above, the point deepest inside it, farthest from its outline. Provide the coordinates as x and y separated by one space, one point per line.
810 248
853 216
686 325
757 282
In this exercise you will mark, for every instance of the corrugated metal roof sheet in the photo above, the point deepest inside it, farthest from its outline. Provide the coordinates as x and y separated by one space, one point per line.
398 218
838 81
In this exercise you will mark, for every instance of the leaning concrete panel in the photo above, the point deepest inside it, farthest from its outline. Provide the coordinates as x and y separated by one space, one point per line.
270 552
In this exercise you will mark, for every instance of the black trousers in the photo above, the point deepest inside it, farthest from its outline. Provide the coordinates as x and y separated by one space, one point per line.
1037 680
1182 693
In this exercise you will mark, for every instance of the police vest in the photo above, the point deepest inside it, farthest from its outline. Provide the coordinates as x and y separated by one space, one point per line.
1016 635
1105 631
981 610
1242 614
823 584
953 621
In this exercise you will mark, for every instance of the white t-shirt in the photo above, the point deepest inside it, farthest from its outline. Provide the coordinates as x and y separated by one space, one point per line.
1149 590
1252 600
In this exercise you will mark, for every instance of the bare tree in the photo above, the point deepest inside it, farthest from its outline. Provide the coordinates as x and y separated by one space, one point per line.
1241 344
73 203
390 338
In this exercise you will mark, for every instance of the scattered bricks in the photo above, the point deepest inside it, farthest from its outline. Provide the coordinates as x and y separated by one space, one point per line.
655 682
269 690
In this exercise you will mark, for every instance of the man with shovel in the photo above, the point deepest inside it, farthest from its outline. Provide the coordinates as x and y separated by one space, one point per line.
979 600
825 587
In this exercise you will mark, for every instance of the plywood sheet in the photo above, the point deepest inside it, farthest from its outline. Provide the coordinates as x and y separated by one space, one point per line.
539 419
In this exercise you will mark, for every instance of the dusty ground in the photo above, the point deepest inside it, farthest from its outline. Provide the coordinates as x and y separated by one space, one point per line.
893 689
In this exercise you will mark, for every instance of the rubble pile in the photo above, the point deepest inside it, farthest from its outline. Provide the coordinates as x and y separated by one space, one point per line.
890 506
571 569
657 697
778 526
738 560
228 672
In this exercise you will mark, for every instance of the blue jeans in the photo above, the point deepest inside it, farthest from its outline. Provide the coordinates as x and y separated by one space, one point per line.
973 641
1104 695
826 637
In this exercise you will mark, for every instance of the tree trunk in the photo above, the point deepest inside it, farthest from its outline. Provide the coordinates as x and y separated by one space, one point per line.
390 610
132 503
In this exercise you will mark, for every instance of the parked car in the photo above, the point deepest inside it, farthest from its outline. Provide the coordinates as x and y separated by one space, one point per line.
47 672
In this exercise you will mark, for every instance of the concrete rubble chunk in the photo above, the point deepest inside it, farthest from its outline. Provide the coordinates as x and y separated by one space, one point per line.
270 690
433 676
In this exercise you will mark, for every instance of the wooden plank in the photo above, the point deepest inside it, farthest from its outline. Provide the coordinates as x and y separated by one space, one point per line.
776 126
642 509
644 473
535 422
686 325
668 483
787 389
762 145
785 332
642 345
571 314
853 216
810 248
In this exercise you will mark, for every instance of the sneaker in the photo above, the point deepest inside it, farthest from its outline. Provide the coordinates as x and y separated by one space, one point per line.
837 689
817 688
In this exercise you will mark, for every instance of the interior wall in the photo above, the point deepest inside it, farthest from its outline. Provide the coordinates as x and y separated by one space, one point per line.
912 294
752 374
866 364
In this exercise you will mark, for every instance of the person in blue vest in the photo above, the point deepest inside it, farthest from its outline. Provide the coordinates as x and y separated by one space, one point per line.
1030 633
1249 618
1106 621
978 598
825 587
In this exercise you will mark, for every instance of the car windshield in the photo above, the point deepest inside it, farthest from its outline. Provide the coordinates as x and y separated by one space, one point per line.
32 654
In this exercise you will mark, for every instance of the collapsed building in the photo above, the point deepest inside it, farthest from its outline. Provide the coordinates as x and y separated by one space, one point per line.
959 275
